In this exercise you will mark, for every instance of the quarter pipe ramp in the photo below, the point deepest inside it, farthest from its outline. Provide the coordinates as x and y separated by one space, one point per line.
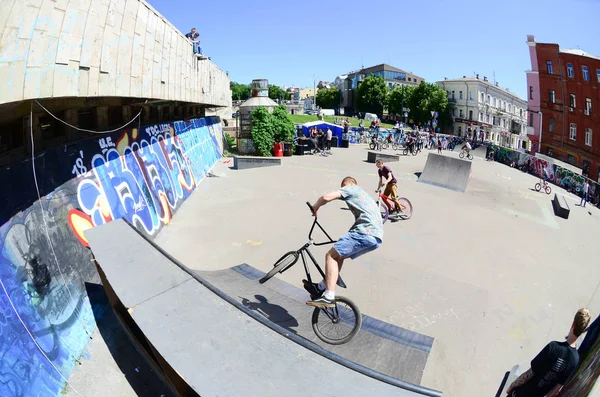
447 172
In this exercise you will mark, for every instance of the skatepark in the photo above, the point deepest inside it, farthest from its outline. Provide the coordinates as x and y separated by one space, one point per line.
471 285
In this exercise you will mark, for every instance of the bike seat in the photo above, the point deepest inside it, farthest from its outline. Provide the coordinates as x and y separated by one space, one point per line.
341 282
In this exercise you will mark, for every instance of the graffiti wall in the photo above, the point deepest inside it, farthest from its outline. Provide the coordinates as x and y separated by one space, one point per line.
141 174
560 176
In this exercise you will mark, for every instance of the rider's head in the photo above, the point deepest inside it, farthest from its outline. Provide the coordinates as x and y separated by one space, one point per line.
349 181
379 164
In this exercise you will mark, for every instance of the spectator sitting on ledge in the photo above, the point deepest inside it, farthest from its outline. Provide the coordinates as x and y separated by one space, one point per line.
193 36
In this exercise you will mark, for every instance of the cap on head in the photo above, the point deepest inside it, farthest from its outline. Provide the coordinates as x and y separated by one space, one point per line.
581 321
349 181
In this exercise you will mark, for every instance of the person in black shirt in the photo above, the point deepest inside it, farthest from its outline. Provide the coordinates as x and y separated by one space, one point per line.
553 366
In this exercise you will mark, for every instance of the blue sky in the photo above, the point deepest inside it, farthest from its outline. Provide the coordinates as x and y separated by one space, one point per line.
288 41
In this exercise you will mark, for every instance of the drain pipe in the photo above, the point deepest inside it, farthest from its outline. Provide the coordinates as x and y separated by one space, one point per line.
541 120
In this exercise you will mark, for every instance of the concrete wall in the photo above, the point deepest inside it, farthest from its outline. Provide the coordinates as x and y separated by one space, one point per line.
46 315
89 48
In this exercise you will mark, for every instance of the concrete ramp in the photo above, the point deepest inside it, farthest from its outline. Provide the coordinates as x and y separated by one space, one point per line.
207 343
447 172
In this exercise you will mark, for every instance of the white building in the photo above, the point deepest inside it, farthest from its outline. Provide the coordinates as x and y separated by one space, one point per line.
489 111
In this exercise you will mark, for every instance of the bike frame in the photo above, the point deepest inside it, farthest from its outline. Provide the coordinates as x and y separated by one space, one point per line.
387 201
305 249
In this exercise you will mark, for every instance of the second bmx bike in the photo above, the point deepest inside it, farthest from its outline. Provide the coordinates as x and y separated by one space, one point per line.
386 205
543 185
336 325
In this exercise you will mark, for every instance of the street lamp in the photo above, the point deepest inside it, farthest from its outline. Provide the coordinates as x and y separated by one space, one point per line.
314 93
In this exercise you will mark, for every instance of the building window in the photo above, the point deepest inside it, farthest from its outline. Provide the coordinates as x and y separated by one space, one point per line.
494 120
452 95
570 71
530 92
521 113
586 73
598 73
460 113
495 102
572 102
481 117
460 95
470 95
470 115
487 118
549 67
588 106
531 119
409 79
552 96
483 96
552 126
509 108
588 136
489 100
573 132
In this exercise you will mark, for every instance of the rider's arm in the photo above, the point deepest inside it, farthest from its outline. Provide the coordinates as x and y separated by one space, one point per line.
327 197
380 184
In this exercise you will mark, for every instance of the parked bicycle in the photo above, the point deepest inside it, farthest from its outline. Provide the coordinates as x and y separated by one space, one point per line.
543 185
465 153
387 206
336 325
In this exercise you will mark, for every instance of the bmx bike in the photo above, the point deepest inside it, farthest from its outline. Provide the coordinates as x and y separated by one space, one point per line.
385 204
465 153
543 185
335 325
414 150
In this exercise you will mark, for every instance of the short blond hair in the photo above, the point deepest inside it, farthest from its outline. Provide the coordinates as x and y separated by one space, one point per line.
349 181
379 161
581 321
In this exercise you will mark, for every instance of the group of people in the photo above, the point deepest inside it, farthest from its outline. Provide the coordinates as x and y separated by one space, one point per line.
194 37
321 140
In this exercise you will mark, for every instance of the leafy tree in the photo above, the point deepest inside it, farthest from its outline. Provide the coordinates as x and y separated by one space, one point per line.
283 126
424 99
239 91
398 97
276 93
262 130
372 95
328 98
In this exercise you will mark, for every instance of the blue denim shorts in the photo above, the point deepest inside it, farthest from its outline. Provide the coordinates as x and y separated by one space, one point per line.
352 245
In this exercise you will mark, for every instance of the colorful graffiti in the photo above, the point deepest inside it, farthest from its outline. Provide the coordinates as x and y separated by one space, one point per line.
143 175
541 168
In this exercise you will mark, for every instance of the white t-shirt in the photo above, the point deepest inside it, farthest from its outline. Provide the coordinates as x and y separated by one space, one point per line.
468 145
586 187
329 133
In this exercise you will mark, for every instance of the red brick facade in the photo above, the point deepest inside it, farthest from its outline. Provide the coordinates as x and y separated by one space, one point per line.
558 116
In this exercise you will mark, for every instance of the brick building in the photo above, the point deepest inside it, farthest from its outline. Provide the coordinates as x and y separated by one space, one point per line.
564 105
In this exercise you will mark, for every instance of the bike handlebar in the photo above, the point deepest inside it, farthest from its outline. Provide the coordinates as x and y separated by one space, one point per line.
311 207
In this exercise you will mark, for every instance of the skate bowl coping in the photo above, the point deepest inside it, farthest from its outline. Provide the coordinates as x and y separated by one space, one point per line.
447 172
206 342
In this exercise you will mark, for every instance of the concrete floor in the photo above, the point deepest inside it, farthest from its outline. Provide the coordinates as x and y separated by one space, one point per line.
491 273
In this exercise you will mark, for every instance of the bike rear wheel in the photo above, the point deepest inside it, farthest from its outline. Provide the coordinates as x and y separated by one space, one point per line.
384 145
284 263
407 208
414 153
372 146
470 156
405 152
383 209
394 146
339 324
538 187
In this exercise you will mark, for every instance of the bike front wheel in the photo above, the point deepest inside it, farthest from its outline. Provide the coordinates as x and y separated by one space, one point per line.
284 263
548 189
372 146
538 187
394 146
337 325
470 156
461 155
407 208
383 209
384 145
405 152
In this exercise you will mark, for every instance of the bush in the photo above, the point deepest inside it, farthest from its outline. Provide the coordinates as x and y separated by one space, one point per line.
262 131
283 126
230 142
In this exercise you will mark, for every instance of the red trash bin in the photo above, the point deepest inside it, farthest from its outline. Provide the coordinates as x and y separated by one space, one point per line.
278 149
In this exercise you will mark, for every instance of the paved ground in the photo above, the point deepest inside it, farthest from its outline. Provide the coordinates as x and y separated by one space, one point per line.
491 273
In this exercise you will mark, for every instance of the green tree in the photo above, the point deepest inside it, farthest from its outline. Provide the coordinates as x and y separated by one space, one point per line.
399 97
424 99
283 126
371 95
239 91
328 98
276 93
262 130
